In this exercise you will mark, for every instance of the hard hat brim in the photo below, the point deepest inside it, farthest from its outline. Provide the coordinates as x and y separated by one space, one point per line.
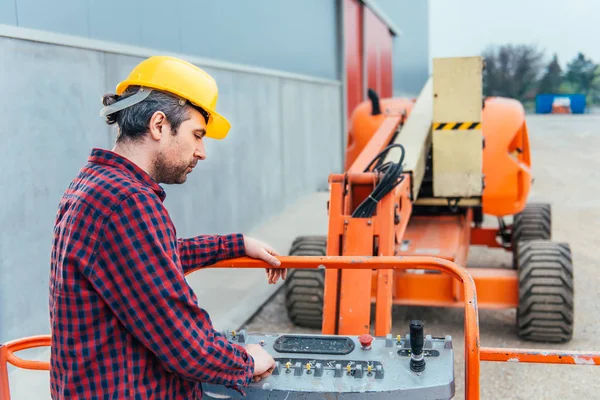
217 127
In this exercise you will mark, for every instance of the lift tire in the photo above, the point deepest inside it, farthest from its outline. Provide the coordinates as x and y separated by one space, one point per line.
546 292
533 223
304 288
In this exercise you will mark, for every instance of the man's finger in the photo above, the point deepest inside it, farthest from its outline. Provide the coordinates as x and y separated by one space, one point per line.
276 275
271 259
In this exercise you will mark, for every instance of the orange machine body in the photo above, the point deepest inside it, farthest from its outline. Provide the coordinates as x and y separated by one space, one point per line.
363 124
400 228
506 157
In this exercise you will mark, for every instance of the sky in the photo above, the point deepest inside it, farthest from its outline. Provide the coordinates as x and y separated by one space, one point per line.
466 27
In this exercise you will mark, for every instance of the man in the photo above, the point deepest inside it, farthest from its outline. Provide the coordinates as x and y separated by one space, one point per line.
125 324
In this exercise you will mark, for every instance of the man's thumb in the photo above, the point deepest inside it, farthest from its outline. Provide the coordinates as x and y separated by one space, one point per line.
272 260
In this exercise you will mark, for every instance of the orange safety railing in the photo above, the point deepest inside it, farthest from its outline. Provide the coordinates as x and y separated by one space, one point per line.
473 353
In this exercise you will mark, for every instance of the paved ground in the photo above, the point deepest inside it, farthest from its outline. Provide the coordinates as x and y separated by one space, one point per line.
566 166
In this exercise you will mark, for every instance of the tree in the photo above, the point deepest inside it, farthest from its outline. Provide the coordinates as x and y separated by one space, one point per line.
584 76
512 70
552 80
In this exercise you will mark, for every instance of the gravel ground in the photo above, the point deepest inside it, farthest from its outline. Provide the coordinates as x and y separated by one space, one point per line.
566 169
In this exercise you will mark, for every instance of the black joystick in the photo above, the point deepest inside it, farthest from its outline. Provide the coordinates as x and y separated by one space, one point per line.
417 360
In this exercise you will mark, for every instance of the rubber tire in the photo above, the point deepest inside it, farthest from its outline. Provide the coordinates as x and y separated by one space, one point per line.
533 223
304 288
546 292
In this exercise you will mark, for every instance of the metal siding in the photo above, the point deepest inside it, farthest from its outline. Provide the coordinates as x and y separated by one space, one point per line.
62 16
171 17
118 21
411 48
378 42
294 36
353 17
8 12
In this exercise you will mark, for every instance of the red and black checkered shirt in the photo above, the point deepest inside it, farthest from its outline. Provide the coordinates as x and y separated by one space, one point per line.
125 324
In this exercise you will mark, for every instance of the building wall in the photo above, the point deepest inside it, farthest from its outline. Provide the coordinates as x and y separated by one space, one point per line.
411 47
278 68
288 35
284 129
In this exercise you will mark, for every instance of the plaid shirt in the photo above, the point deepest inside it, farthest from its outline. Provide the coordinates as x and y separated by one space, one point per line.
125 324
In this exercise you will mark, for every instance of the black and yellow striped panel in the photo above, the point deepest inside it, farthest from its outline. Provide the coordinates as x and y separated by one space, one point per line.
456 126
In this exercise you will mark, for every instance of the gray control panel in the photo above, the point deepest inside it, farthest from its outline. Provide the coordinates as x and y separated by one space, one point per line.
349 367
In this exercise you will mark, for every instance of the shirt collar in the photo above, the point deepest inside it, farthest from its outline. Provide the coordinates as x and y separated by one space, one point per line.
107 157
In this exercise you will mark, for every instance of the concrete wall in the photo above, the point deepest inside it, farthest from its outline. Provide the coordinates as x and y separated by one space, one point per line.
289 35
411 47
285 140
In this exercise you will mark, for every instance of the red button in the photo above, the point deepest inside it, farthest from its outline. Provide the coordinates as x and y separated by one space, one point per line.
365 340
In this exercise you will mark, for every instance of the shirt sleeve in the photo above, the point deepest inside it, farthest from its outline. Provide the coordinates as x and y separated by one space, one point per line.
205 250
138 274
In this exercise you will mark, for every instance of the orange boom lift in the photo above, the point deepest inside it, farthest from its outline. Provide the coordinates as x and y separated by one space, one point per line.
420 177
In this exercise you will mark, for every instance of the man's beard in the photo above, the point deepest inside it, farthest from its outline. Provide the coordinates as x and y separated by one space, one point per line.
169 173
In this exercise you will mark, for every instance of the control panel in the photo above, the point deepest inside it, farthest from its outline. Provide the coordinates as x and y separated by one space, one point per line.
413 366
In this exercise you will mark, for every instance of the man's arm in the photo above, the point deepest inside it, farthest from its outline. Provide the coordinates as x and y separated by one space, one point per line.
205 250
138 274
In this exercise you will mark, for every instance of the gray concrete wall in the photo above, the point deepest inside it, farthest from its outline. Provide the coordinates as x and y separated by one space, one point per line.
289 35
411 47
285 140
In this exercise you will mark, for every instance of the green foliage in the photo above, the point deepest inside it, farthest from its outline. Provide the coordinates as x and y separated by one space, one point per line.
520 72
552 79
511 70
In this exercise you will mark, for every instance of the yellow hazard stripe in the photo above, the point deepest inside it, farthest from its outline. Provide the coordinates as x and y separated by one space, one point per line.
456 126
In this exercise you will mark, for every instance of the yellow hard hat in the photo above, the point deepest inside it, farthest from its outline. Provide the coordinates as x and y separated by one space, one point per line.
182 79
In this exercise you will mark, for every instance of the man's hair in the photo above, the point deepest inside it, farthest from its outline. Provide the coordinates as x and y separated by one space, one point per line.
133 122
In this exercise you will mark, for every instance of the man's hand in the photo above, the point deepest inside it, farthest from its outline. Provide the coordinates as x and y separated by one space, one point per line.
263 362
257 249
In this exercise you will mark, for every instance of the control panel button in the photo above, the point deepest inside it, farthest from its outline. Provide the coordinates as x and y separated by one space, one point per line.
365 341
358 371
379 372
338 370
318 370
389 341
298 369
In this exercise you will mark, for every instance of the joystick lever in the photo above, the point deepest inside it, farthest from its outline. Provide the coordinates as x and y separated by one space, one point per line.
417 360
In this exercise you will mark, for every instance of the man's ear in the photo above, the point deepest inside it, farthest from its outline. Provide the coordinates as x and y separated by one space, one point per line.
158 123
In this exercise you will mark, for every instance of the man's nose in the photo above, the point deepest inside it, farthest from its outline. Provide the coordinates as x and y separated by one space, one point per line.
200 151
